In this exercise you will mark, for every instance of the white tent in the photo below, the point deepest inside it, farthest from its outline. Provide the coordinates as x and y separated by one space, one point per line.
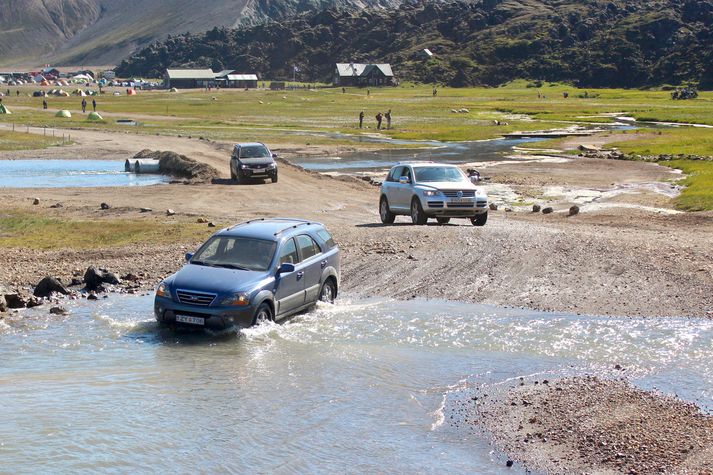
82 77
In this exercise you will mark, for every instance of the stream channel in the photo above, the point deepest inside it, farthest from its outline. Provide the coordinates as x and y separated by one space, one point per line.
363 386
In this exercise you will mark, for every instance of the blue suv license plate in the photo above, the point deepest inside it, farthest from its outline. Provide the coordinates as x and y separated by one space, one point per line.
189 319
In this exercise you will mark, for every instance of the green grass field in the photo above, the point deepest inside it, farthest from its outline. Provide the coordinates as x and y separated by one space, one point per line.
23 141
326 116
28 230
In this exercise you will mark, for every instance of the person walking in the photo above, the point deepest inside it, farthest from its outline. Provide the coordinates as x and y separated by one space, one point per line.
84 106
379 118
94 104
388 119
361 119
435 92
368 92
44 104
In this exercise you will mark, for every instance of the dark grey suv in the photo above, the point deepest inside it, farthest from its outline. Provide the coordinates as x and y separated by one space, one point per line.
252 161
265 269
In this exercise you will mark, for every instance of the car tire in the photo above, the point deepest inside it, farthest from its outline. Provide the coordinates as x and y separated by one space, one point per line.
328 292
263 314
417 215
274 178
443 220
480 219
387 217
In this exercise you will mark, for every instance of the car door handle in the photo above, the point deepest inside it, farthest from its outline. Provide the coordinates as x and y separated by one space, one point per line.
323 264
300 274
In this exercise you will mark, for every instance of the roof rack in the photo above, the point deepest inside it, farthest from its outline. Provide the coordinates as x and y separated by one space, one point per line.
244 223
294 226
404 162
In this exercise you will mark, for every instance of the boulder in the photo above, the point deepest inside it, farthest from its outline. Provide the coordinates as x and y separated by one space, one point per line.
92 296
547 210
573 210
3 304
170 212
59 311
536 208
48 285
36 201
104 206
493 206
94 278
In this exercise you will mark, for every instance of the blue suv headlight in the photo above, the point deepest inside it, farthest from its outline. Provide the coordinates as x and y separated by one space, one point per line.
163 290
238 299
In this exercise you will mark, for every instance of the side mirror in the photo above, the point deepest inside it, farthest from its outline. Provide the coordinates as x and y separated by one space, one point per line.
286 268
189 256
404 180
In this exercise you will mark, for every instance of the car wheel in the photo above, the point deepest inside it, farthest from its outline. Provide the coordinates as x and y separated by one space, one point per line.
443 220
328 292
274 178
417 214
480 219
387 217
263 314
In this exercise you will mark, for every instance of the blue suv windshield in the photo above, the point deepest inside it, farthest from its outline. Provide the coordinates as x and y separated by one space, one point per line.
236 252
434 174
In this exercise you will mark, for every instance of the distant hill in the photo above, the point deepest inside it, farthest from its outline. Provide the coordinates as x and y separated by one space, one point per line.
99 32
628 43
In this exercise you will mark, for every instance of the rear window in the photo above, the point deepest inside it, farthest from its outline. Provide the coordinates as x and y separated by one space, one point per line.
326 238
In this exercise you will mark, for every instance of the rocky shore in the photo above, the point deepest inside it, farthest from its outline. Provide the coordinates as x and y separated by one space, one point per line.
593 425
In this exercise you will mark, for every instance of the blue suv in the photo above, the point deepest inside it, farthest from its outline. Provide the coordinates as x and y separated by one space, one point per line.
264 269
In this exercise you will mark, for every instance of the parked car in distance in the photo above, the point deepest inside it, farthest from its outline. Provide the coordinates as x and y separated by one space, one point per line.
252 161
426 190
259 270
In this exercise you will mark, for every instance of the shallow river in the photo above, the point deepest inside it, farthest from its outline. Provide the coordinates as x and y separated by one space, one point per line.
70 173
362 386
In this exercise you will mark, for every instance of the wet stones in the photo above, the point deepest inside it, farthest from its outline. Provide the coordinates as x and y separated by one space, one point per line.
536 208
59 311
48 285
548 210
574 210
17 300
95 278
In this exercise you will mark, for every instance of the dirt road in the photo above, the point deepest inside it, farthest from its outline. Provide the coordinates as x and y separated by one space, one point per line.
622 261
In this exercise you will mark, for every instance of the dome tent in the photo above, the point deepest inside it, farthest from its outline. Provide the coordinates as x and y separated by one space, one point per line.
94 116
64 114
4 109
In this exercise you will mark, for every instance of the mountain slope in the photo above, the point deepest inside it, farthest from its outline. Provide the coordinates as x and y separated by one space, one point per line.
594 43
105 31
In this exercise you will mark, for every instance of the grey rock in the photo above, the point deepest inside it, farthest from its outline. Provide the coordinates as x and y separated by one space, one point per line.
547 210
536 208
104 206
493 206
92 296
146 210
574 210
59 311
36 201
94 278
170 212
48 285
211 225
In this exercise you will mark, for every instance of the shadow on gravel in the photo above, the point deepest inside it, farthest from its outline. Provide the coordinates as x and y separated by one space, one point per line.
381 225
228 181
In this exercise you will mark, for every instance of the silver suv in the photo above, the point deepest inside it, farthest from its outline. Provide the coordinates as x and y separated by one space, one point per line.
431 190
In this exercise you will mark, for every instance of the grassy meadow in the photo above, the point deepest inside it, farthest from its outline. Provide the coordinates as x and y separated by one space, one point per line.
328 116
23 141
19 229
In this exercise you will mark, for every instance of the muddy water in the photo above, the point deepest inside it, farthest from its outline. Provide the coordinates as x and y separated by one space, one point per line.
70 173
363 386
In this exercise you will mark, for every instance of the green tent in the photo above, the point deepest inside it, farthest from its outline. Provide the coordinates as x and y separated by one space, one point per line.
95 116
4 110
63 113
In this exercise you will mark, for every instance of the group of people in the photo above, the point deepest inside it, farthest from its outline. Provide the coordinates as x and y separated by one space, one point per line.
84 105
379 119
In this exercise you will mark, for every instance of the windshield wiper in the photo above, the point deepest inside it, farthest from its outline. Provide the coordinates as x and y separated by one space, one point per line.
232 266
202 263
